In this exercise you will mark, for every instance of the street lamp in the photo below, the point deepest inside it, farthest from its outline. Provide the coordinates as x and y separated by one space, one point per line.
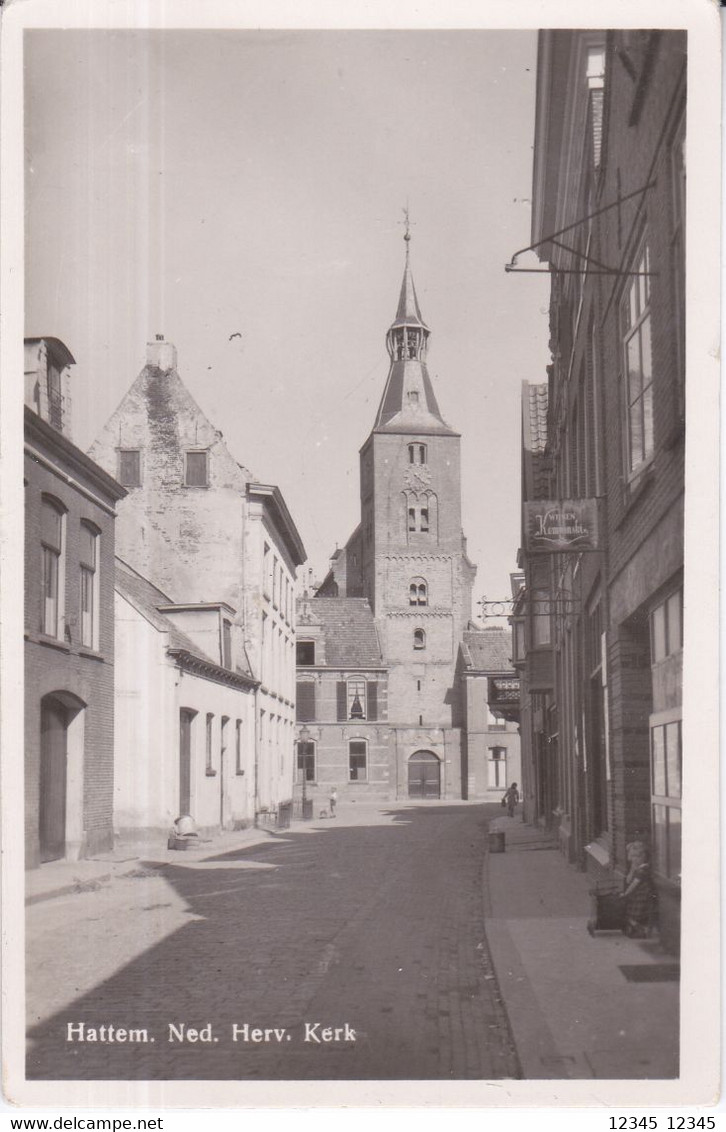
303 740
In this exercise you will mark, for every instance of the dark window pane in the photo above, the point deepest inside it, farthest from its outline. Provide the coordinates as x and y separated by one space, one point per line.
674 842
675 640
51 525
87 546
196 469
341 697
372 699
658 634
306 762
305 652
659 773
129 467
673 758
305 706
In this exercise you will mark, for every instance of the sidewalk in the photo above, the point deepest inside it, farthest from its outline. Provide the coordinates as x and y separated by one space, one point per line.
61 878
573 1010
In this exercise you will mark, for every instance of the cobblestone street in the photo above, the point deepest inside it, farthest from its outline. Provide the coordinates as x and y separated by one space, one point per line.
371 923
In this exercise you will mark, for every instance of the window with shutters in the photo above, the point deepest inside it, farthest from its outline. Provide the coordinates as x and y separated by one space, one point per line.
356 698
305 701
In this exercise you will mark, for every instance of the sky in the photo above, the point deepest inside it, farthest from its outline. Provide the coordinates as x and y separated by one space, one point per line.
204 184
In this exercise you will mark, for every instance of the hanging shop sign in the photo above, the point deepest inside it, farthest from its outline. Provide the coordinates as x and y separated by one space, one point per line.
561 526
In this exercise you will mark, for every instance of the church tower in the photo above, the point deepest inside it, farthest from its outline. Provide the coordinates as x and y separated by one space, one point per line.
413 564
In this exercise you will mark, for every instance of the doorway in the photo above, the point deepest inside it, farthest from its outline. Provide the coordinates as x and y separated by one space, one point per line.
424 775
53 779
185 761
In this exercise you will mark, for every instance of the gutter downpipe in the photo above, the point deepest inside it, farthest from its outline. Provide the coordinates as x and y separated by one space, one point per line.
255 798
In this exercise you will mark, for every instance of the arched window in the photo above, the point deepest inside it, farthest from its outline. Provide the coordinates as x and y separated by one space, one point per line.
419 639
417 453
52 539
418 592
89 584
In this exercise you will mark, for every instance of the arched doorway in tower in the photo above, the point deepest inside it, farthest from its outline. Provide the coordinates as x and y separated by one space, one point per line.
424 775
60 801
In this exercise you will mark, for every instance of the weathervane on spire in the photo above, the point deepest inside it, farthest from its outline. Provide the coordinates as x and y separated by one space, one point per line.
407 221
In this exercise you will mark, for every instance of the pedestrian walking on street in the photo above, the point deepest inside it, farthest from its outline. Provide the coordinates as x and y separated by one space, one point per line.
333 800
511 797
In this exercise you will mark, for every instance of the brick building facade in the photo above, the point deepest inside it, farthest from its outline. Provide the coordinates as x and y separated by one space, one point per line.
603 653
342 702
69 629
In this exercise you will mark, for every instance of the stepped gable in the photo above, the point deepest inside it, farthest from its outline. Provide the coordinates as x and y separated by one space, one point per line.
488 650
349 631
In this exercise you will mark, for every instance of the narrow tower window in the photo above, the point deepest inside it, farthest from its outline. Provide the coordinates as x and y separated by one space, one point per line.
419 639
418 592
417 453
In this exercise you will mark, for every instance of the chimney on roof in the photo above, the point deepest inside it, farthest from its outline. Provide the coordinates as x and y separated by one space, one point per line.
161 354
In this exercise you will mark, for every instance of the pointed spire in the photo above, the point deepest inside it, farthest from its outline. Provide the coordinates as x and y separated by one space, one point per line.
408 312
409 403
